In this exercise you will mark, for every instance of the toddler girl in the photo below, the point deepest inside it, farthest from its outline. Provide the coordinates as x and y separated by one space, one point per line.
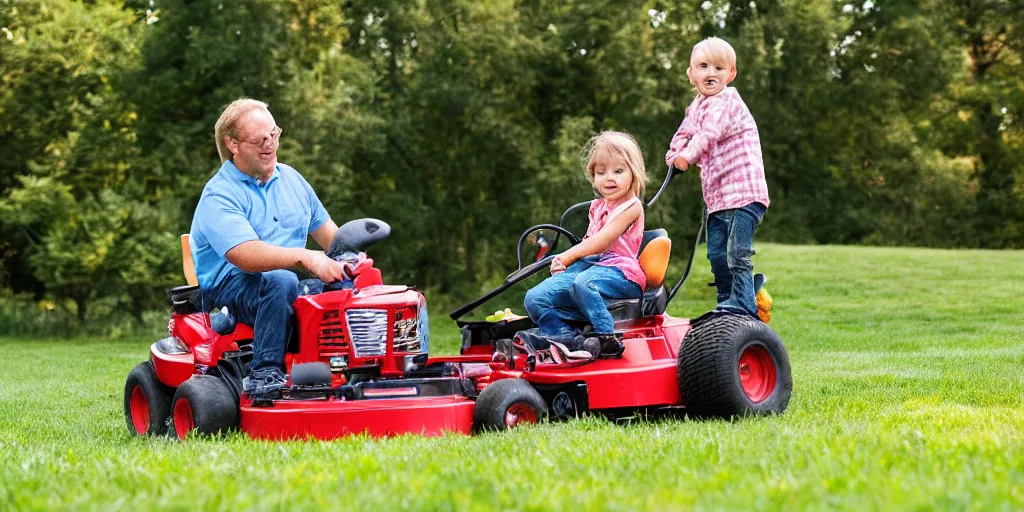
604 264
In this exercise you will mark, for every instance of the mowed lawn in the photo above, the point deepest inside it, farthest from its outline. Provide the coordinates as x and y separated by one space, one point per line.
908 394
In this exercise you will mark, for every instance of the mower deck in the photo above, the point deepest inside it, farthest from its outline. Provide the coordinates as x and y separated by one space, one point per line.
332 418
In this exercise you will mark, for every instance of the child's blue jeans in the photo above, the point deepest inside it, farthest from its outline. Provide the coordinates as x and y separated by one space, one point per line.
577 295
730 247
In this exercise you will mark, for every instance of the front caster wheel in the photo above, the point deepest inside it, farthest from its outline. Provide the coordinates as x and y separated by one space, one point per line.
204 405
508 403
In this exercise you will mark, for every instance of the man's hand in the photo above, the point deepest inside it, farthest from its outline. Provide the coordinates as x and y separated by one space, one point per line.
323 267
557 267
680 163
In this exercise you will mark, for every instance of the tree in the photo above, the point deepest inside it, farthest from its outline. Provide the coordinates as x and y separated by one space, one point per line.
67 216
989 98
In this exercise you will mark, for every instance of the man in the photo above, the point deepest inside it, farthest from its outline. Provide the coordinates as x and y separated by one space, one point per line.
250 226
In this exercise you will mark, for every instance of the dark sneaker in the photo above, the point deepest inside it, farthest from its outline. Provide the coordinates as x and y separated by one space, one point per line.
592 346
549 356
522 343
504 350
265 382
610 345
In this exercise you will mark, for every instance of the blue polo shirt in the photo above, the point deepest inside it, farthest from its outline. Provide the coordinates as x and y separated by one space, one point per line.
236 208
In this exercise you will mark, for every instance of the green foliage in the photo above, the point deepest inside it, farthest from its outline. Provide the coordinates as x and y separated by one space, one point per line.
77 224
460 123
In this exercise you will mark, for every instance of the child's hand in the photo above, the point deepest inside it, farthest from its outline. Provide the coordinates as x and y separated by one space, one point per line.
680 163
557 267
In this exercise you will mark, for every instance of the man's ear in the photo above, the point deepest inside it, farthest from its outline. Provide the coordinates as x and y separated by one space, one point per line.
231 144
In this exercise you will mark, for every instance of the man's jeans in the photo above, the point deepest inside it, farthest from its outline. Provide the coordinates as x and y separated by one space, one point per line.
730 247
264 301
577 295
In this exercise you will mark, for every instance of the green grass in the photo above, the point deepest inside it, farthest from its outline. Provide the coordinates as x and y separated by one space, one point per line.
907 395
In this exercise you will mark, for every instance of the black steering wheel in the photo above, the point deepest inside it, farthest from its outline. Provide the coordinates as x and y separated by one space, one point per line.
521 273
559 229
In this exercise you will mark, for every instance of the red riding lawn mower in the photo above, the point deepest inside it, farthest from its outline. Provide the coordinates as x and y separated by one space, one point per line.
357 361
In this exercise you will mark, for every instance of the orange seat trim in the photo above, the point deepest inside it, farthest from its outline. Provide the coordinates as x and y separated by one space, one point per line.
654 260
187 265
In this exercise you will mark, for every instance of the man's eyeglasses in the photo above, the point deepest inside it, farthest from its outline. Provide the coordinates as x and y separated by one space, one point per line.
268 140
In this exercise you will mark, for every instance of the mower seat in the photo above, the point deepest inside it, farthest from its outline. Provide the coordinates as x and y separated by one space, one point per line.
186 299
187 265
655 250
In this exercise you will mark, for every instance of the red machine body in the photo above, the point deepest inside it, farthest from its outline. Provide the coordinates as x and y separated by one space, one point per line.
645 376
358 363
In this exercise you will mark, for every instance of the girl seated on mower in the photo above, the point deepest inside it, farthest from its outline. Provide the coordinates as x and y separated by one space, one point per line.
603 265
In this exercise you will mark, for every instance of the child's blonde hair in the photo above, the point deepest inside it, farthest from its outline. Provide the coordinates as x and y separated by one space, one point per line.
717 51
624 145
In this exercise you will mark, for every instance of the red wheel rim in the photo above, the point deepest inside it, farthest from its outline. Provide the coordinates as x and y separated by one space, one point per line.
757 373
139 407
183 422
520 413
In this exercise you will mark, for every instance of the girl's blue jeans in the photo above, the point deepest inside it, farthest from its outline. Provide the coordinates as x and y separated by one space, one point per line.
730 247
577 295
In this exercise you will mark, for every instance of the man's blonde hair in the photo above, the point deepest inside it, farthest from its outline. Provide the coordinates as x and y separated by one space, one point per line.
717 51
228 123
624 145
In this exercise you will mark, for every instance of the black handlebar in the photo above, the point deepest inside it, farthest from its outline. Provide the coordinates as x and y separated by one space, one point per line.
673 171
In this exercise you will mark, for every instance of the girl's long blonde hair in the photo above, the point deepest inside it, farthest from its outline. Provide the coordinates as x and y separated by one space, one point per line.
624 145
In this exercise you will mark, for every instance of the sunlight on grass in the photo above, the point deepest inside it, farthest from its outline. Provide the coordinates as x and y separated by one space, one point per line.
906 395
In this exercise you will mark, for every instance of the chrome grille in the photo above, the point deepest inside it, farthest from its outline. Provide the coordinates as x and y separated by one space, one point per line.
368 330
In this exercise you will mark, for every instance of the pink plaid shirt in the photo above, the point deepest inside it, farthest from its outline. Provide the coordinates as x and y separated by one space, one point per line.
719 135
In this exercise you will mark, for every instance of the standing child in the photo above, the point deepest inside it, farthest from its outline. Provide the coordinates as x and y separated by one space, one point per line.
603 265
719 135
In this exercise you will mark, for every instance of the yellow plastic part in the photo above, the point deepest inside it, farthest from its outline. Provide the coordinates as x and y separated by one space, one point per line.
186 262
654 260
505 314
764 305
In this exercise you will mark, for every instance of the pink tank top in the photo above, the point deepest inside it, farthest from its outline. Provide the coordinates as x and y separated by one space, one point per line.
625 250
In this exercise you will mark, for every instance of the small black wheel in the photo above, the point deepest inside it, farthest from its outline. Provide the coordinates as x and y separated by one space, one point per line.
204 404
147 401
732 365
507 403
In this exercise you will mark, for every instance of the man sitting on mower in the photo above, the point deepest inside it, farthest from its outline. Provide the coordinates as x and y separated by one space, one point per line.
250 226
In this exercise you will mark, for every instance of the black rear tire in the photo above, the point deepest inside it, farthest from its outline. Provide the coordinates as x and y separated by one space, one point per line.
147 401
204 405
507 403
733 365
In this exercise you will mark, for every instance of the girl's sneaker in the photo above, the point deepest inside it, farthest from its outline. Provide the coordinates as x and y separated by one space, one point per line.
609 344
563 354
